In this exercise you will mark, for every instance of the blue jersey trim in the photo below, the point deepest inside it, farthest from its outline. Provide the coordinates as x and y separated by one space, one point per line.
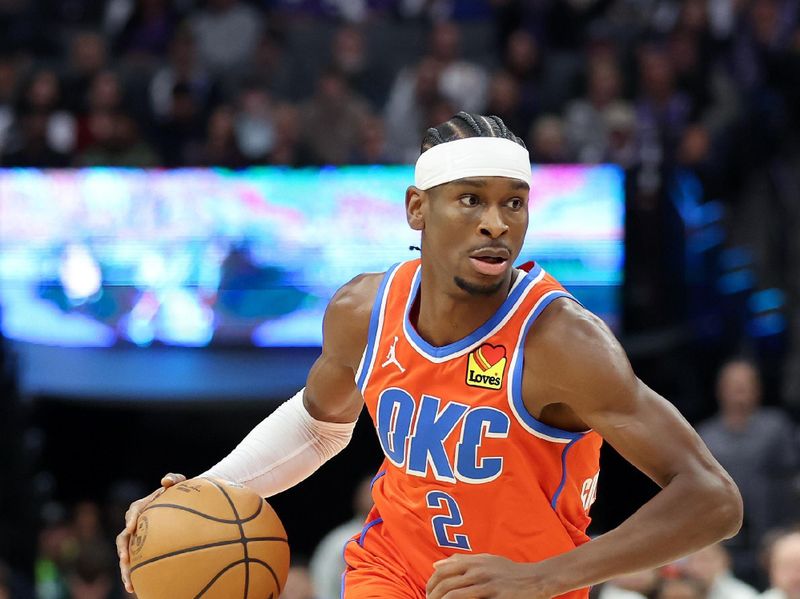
516 379
346 566
375 479
367 526
457 346
374 323
554 502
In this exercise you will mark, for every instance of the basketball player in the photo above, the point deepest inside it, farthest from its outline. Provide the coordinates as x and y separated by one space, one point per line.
491 389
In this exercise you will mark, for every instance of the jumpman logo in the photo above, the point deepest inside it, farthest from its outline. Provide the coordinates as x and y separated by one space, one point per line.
391 357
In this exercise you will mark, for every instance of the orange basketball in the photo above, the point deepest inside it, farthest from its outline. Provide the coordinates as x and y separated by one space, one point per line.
208 538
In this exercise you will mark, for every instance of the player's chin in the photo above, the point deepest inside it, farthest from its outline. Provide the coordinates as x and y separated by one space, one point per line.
480 285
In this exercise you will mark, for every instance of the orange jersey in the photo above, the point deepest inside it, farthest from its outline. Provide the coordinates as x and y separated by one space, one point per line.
467 468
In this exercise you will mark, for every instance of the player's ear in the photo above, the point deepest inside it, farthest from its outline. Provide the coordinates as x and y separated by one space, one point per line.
415 208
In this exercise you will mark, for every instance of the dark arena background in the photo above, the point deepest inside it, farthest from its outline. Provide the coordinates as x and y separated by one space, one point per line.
185 183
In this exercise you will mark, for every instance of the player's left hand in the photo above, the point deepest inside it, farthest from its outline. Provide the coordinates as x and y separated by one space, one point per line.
485 576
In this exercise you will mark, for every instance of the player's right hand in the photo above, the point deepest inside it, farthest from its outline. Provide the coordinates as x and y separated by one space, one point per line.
131 518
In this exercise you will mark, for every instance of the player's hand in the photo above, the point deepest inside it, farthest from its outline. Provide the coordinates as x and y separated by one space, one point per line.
485 576
131 518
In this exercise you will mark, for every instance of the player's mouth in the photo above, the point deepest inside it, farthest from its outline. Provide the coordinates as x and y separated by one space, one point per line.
490 261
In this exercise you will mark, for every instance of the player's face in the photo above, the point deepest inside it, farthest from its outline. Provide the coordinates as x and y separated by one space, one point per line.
472 229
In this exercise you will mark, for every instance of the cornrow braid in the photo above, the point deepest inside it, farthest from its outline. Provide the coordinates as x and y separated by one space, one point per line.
463 125
470 120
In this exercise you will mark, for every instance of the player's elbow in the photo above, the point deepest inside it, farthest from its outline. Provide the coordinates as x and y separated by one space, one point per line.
726 510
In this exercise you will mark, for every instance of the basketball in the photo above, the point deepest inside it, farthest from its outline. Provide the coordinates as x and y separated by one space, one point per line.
209 538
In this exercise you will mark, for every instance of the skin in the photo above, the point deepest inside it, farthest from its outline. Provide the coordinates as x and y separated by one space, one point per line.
576 376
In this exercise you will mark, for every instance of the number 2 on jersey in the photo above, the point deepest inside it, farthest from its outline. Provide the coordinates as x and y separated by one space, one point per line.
444 523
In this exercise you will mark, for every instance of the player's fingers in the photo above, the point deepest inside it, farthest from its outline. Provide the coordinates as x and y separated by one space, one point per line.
469 592
444 570
459 585
124 560
122 545
172 479
131 517
136 509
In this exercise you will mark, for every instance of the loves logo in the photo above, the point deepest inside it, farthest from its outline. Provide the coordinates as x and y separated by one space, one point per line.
486 366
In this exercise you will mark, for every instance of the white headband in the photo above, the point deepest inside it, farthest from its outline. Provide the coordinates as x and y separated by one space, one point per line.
472 157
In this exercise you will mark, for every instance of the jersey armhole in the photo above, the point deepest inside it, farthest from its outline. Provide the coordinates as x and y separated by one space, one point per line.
375 327
528 421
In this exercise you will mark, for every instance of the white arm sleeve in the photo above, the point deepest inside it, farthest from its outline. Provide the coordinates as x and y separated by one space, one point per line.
283 449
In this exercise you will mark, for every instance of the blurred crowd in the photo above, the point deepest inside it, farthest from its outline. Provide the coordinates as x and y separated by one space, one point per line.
232 83
705 88
709 88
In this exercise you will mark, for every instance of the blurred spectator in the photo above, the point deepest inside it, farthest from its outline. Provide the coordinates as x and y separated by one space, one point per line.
631 586
413 95
146 31
86 521
219 147
543 81
441 73
117 142
756 446
371 148
327 562
462 82
695 153
226 32
349 56
505 101
547 141
182 130
88 55
299 584
271 66
662 110
57 545
31 146
254 126
784 568
620 119
43 95
712 567
8 87
586 119
288 150
92 573
182 68
105 94
681 588
331 120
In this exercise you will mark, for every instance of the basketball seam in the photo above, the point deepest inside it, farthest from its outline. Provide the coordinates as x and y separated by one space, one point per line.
242 540
218 576
271 571
206 516
207 546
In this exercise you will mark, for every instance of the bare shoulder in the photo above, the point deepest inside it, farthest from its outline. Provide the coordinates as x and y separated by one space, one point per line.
568 326
574 357
346 323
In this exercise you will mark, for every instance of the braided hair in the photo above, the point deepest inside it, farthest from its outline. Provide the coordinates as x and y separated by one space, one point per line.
464 125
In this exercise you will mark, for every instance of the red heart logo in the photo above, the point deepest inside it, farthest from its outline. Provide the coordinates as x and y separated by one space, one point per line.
492 353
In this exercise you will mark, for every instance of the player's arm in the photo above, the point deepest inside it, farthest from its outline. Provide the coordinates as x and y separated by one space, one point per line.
698 503
317 423
305 431
573 359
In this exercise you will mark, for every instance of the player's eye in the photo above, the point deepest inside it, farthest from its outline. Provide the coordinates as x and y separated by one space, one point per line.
469 200
515 203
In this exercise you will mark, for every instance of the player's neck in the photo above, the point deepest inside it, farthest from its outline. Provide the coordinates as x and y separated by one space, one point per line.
445 315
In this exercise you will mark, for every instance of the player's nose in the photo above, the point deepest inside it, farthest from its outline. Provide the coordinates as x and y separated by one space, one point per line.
492 223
